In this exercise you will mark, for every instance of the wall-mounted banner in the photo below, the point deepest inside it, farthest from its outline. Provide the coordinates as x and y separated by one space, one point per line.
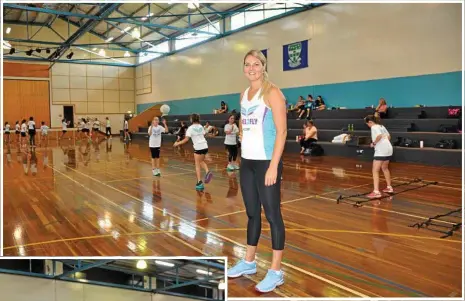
295 55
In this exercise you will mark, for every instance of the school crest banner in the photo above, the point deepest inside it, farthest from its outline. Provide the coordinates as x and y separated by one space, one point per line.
295 55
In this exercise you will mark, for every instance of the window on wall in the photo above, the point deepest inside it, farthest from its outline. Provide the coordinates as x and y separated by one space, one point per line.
192 38
260 12
274 9
147 56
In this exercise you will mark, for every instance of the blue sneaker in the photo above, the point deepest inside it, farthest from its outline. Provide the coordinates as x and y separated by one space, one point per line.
199 186
242 268
272 280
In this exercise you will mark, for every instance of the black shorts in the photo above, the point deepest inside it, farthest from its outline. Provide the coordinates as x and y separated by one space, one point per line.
17 132
381 158
201 151
126 130
64 131
23 134
85 130
155 152
7 133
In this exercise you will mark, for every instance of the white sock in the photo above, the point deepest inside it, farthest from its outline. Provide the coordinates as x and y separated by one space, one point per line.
249 262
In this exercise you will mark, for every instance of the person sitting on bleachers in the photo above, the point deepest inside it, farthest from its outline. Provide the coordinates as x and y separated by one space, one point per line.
207 127
320 104
212 132
307 107
381 109
223 109
311 135
300 105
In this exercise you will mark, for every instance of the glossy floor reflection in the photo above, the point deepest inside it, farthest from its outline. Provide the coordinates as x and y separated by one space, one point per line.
101 199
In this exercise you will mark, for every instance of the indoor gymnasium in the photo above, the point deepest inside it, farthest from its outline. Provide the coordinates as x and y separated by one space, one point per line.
317 146
91 279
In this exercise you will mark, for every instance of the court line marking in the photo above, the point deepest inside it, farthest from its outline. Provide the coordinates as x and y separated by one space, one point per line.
150 177
283 203
155 207
144 221
340 286
305 229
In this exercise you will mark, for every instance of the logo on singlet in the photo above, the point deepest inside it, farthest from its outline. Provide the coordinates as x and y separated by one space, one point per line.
246 117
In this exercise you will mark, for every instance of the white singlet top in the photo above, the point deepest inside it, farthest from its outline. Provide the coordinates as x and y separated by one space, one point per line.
258 128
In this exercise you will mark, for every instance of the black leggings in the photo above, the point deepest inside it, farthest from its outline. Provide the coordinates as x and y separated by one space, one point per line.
32 136
307 143
256 194
232 150
108 131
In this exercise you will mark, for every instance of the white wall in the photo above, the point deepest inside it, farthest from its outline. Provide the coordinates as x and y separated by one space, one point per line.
349 42
21 288
93 89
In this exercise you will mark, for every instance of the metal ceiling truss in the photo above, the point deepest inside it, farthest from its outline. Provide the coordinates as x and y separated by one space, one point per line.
83 265
209 14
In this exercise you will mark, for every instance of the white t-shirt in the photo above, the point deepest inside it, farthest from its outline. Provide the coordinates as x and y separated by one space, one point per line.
31 124
64 125
17 127
96 124
44 129
23 128
197 133
7 128
231 139
384 147
126 125
155 135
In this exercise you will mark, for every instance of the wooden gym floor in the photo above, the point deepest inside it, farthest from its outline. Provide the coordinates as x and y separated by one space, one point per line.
101 200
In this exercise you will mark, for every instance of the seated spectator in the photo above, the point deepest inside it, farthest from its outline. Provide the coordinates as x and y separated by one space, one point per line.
381 109
311 136
320 104
207 127
223 109
307 107
212 132
299 105
302 138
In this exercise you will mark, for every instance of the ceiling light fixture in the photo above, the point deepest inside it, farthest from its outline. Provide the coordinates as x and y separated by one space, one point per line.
109 39
167 264
8 30
126 54
135 33
141 264
203 272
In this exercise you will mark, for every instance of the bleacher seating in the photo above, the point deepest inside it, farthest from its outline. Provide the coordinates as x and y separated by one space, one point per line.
421 124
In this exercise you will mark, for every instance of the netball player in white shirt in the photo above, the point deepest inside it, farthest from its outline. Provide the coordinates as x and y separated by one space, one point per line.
44 133
230 141
263 131
7 132
155 131
197 133
17 131
23 132
383 154
32 131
